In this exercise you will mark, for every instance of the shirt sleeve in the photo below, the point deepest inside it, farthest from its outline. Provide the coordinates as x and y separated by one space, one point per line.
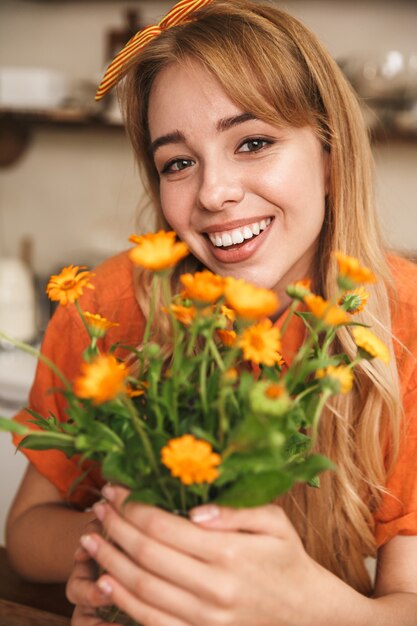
64 341
397 514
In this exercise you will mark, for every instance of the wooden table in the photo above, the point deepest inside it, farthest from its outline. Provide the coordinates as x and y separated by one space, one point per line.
30 604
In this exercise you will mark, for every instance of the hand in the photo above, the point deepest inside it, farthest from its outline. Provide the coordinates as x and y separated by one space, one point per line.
81 589
234 567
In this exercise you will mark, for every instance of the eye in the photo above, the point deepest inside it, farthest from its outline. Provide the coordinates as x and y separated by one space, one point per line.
176 165
253 145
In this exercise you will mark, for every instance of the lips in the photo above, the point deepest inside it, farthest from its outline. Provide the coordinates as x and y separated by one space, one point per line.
239 243
238 235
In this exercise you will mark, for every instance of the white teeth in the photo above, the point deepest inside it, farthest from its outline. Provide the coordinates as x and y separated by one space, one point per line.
238 235
226 239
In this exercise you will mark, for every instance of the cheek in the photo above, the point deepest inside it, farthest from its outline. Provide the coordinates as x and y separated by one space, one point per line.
177 202
298 191
170 208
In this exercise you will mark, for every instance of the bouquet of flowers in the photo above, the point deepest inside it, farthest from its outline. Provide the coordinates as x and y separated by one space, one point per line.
222 418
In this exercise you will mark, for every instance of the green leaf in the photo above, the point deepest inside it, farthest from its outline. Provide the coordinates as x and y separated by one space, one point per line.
253 462
146 496
307 318
78 481
203 434
101 431
307 470
47 424
113 468
46 440
8 425
297 443
256 489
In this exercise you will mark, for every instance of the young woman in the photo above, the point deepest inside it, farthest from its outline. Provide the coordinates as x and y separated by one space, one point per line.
254 151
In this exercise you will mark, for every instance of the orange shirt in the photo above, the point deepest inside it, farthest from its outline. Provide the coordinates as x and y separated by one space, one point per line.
114 298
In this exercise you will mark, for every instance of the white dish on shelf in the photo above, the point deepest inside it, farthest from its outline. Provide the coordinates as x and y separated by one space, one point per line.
32 87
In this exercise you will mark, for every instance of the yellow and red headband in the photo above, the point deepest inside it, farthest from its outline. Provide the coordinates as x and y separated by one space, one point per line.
179 14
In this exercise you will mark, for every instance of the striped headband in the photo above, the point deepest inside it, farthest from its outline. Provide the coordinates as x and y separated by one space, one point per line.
179 14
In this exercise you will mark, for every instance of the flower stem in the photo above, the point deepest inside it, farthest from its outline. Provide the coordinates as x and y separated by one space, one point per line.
290 315
81 314
183 498
155 284
137 423
317 414
38 355
203 376
216 355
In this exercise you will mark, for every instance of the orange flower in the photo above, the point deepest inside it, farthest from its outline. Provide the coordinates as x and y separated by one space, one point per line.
300 289
191 460
323 310
369 344
203 286
157 251
354 300
134 393
69 285
351 272
231 374
341 375
261 343
229 314
249 301
275 390
184 314
101 380
227 337
98 325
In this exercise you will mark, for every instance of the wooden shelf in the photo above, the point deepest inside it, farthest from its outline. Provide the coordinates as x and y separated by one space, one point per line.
75 118
61 118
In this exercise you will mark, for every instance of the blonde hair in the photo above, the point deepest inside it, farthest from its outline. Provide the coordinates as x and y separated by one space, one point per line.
273 67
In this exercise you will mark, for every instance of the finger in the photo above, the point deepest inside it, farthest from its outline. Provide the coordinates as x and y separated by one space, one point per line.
182 569
152 590
139 610
269 520
81 555
81 588
85 616
164 527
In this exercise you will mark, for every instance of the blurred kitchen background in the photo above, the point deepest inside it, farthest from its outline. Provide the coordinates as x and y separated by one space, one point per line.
69 190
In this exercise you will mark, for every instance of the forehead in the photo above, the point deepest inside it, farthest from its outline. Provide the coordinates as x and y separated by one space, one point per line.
183 94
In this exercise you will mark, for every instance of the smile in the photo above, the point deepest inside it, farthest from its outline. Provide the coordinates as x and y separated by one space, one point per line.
238 235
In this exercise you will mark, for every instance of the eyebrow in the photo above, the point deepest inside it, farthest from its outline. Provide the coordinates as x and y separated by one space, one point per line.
222 125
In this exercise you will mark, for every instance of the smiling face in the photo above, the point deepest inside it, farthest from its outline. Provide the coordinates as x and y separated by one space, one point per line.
246 196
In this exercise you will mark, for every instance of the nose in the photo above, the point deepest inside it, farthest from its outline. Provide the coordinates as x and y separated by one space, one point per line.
220 186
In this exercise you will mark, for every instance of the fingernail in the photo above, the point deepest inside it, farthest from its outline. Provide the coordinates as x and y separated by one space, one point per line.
109 493
204 513
100 510
105 587
89 544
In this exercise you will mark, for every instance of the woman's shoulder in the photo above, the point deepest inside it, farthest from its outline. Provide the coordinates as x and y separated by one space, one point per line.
113 278
112 285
